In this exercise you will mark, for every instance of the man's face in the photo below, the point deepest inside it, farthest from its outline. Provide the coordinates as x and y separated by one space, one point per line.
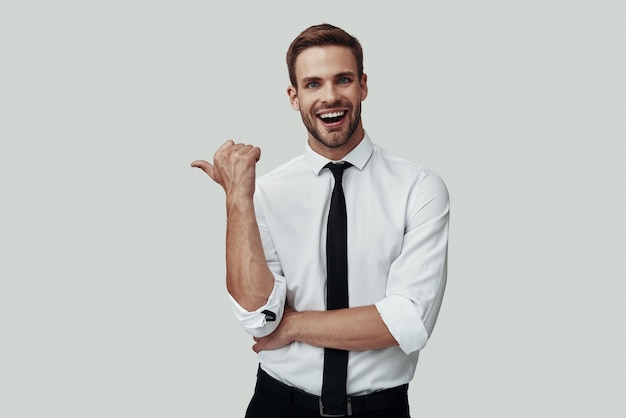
329 96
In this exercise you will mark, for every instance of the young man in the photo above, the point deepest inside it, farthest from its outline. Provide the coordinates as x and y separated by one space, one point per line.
336 261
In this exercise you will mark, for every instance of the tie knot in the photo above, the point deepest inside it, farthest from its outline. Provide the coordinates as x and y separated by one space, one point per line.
337 169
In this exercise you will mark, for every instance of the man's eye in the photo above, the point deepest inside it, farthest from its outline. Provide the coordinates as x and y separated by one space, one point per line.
312 85
343 80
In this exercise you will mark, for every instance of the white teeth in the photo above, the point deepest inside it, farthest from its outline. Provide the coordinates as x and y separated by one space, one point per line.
331 115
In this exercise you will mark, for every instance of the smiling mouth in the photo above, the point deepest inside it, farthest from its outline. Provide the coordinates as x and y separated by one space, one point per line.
332 117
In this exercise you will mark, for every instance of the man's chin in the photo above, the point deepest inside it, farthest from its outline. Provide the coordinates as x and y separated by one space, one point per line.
330 137
331 141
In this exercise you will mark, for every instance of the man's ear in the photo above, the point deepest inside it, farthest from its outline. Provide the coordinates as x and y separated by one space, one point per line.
292 92
363 83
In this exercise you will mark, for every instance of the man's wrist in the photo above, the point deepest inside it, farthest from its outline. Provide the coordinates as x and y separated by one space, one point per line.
239 201
289 325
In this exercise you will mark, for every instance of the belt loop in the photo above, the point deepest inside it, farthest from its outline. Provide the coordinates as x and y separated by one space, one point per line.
291 396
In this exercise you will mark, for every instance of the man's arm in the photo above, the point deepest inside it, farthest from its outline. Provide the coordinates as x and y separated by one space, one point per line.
248 278
353 329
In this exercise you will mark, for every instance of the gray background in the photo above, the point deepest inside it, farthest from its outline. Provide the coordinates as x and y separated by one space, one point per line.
112 296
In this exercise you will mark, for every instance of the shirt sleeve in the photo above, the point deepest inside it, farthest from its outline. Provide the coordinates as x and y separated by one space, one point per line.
265 319
417 277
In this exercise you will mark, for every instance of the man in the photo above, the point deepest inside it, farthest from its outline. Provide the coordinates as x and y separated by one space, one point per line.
337 273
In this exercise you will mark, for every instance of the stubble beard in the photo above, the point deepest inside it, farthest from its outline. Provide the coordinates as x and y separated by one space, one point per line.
330 140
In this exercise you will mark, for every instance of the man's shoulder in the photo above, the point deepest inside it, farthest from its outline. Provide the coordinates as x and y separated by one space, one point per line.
406 177
397 165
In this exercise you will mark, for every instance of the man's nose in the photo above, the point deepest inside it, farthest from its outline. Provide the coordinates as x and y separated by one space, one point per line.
330 93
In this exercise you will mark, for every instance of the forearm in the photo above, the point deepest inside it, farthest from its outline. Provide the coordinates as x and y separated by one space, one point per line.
353 329
248 278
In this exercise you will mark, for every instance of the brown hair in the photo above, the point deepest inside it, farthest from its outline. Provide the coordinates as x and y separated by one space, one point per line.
322 35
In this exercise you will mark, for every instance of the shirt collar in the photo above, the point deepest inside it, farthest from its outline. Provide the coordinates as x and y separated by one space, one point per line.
358 157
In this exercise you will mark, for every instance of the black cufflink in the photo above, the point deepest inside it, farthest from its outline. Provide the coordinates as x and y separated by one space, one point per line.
269 315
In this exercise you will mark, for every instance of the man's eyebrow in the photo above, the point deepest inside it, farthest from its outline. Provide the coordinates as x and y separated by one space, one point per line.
306 80
346 74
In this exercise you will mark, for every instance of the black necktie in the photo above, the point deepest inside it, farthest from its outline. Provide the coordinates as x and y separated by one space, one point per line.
336 361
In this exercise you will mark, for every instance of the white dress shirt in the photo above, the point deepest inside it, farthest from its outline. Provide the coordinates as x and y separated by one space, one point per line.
397 258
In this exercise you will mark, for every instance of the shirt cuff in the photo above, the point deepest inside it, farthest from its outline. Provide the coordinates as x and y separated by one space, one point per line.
265 319
404 321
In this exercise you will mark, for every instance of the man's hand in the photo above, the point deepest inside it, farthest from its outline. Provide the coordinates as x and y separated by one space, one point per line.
278 338
233 167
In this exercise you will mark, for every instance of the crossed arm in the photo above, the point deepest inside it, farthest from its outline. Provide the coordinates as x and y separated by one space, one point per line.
250 281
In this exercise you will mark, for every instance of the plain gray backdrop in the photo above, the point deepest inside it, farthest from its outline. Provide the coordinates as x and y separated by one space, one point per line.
112 294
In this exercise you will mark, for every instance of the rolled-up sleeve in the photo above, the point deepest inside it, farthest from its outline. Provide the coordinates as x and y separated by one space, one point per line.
417 277
264 320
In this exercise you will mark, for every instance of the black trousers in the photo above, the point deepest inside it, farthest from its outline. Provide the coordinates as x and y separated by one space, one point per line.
268 402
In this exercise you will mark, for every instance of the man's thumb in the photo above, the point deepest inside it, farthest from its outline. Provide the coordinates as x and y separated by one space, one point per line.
205 166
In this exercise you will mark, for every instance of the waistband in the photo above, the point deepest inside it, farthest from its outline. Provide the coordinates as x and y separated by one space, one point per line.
356 404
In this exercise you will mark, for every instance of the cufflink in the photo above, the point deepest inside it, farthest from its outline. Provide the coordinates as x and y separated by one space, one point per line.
269 315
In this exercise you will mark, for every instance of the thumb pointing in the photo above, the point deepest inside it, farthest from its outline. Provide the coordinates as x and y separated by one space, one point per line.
204 166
